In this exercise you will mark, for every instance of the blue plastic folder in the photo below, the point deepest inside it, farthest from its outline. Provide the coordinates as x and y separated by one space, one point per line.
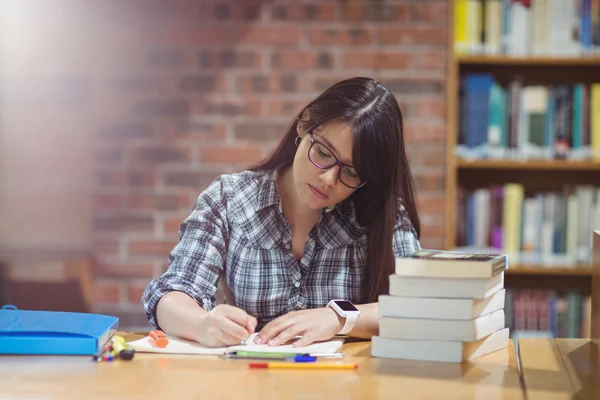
52 332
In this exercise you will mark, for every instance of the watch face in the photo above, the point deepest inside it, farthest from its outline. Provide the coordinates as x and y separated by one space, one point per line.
346 305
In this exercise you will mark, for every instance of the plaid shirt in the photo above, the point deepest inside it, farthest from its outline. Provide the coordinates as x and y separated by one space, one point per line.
237 230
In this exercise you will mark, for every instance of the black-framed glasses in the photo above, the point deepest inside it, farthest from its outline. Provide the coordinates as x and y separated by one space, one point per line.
323 158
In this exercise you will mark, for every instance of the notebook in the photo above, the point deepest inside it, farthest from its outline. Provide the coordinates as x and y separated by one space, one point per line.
52 332
181 346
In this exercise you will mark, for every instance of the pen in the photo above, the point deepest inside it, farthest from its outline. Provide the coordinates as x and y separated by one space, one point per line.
284 365
289 357
265 354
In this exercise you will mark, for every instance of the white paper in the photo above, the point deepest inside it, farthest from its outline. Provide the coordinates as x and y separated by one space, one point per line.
181 346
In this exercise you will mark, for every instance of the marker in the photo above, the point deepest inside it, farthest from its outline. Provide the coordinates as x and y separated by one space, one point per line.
284 365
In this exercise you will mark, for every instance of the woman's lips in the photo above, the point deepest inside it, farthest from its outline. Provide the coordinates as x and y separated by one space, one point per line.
318 193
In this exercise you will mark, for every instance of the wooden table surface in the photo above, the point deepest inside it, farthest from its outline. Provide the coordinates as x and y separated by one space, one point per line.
494 376
560 368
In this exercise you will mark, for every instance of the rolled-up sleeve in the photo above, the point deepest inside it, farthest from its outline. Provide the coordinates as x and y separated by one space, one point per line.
405 241
196 262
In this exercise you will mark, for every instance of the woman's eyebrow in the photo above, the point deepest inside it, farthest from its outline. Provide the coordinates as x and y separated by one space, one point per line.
332 147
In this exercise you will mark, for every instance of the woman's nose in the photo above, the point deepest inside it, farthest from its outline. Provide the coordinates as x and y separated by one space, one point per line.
330 176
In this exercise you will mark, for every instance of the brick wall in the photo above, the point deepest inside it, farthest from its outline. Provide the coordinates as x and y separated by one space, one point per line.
187 90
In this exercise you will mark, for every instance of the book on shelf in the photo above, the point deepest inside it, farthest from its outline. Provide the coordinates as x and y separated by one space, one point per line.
439 350
527 27
527 122
467 330
451 264
471 288
549 228
440 308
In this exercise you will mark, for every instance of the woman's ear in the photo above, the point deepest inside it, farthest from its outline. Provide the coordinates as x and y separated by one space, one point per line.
302 123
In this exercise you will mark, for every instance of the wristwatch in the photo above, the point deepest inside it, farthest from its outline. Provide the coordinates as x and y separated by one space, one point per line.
347 310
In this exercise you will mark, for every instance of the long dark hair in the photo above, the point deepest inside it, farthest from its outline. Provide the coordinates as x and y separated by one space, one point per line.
380 159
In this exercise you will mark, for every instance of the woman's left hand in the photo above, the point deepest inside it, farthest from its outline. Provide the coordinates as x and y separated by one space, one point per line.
313 325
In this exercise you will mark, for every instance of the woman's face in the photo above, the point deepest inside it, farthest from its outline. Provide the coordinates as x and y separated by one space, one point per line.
318 188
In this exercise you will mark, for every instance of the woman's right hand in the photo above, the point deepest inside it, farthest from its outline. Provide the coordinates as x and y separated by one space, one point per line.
225 325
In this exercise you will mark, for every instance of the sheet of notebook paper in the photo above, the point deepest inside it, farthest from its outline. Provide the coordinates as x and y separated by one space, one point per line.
181 346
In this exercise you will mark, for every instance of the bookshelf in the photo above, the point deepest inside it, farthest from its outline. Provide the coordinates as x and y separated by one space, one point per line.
537 284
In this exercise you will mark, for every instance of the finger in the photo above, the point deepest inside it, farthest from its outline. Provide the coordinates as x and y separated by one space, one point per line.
237 315
227 339
286 335
251 326
305 340
235 330
273 329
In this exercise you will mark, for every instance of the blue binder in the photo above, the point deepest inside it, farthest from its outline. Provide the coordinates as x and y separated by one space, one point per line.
52 332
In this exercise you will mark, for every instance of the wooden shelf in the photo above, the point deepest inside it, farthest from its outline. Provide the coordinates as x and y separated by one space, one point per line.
524 61
529 165
540 270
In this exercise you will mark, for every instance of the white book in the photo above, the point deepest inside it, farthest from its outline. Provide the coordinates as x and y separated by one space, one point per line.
441 329
439 308
471 288
436 350
451 264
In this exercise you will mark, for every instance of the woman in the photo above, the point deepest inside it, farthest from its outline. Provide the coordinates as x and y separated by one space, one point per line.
321 219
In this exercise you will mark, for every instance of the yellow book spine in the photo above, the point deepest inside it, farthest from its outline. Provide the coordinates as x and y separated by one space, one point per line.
511 220
595 121
460 26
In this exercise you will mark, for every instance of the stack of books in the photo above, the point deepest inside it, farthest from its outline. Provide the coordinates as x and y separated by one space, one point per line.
443 306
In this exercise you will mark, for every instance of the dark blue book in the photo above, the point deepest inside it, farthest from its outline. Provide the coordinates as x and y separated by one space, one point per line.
51 332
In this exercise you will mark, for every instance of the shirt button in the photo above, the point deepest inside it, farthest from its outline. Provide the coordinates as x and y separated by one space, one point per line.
297 284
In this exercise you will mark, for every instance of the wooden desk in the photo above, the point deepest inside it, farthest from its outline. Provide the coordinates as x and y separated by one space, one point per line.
494 376
560 368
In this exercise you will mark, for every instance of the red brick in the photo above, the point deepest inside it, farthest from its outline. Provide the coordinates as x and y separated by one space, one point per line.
124 223
432 230
106 292
267 35
432 242
301 59
296 11
273 83
376 59
231 154
160 154
416 35
429 181
111 178
430 59
429 11
374 11
107 201
429 108
424 131
426 154
171 224
134 293
347 36
124 270
192 130
285 108
434 204
198 84
151 248
245 106
230 58
157 202
105 247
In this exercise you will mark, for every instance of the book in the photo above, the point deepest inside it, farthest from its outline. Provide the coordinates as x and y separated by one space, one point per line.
441 329
438 350
182 346
53 332
446 287
451 264
439 308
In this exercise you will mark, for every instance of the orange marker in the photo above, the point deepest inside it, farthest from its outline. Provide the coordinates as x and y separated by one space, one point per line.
158 338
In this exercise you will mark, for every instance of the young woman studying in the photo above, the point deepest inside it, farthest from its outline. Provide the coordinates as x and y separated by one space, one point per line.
306 239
